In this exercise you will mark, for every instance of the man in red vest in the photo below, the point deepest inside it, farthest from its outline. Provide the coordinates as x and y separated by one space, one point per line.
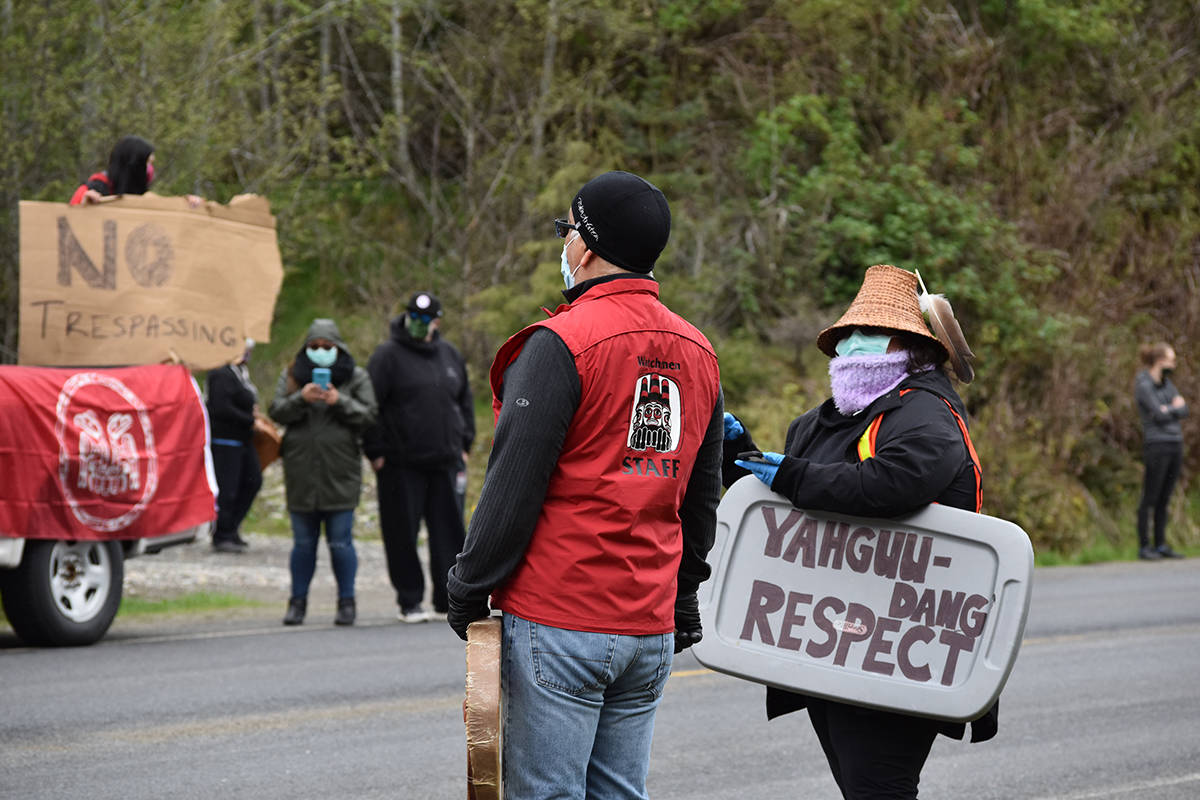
598 507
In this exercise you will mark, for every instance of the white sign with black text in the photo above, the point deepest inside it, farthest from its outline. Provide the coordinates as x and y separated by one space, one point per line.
922 614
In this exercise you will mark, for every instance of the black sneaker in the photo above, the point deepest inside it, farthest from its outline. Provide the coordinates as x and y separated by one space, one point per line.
1149 554
240 542
345 611
227 546
295 611
1165 551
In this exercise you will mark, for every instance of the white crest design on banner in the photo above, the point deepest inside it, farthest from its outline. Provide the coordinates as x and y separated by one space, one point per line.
107 453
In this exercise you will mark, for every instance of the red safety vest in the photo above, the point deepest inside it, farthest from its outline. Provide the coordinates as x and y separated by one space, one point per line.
604 555
866 446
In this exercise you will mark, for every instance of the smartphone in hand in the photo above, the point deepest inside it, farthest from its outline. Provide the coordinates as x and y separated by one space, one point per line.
753 456
320 377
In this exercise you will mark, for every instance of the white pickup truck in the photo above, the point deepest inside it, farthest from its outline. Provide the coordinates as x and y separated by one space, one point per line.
96 466
62 592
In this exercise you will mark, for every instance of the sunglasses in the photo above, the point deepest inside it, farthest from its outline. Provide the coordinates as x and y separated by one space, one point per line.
562 228
426 318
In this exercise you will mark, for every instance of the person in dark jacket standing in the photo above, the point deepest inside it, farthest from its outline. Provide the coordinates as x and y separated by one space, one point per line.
325 414
425 430
598 508
1161 408
891 439
232 402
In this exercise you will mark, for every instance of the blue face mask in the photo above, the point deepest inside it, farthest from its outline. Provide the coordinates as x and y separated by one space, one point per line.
322 356
565 268
863 344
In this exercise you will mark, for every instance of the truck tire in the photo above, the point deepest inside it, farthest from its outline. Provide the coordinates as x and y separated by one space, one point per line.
64 594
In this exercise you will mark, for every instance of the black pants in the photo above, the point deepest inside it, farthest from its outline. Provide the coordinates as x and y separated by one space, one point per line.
1163 461
405 496
238 481
873 754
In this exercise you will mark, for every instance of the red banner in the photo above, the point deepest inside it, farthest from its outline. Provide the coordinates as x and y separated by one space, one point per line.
102 453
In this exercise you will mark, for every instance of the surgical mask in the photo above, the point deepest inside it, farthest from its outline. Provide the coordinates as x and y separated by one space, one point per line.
863 344
565 268
321 356
1167 372
418 327
149 173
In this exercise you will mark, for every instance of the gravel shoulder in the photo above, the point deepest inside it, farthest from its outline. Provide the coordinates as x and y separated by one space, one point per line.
260 575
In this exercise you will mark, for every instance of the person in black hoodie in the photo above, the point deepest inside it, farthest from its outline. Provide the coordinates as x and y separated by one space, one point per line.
892 439
232 401
425 430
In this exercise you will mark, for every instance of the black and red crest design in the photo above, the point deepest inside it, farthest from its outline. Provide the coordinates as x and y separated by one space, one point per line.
657 414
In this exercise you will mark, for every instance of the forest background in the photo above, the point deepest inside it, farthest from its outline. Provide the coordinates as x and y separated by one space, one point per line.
1037 160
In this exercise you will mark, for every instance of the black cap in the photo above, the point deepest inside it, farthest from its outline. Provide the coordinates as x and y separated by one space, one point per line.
623 219
425 303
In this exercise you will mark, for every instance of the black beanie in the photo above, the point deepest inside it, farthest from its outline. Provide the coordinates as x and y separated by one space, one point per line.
425 303
624 219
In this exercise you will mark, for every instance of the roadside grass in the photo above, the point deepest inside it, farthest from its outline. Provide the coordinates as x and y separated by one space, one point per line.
1099 552
195 602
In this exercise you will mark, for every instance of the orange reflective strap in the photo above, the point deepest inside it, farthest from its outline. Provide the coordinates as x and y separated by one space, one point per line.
866 443
962 427
866 446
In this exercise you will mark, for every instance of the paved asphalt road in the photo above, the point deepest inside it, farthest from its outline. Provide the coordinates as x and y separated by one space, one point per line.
1104 703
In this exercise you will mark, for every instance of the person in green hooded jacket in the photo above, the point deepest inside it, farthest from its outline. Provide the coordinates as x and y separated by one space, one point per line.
325 415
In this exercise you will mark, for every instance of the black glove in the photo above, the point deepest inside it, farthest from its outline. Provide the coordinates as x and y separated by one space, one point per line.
687 621
459 615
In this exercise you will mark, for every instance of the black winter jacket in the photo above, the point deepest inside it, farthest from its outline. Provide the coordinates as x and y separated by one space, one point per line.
920 458
230 405
426 415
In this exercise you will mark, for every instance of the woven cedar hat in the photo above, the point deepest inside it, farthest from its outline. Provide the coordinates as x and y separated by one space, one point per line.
886 299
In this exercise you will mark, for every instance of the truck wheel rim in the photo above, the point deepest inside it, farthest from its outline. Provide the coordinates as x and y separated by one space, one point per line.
80 578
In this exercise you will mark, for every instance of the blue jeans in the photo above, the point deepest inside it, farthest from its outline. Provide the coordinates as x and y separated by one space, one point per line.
579 710
306 532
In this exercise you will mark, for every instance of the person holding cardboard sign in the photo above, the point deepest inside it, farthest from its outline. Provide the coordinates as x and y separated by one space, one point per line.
892 438
130 171
598 507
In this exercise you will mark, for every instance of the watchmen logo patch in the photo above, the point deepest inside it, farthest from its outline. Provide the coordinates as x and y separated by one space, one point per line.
657 414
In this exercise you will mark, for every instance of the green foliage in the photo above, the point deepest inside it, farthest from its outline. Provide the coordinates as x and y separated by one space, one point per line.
1038 162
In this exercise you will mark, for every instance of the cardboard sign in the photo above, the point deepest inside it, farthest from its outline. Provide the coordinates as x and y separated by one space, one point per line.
145 279
922 614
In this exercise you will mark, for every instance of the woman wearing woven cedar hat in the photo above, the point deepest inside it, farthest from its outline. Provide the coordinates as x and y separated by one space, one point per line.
891 439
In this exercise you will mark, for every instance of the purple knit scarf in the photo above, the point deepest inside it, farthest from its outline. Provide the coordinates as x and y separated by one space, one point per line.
858 380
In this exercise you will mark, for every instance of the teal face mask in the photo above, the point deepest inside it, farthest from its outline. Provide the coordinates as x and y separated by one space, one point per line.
321 356
862 344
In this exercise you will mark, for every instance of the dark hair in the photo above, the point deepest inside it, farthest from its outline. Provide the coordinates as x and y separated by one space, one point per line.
127 165
1153 353
923 352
